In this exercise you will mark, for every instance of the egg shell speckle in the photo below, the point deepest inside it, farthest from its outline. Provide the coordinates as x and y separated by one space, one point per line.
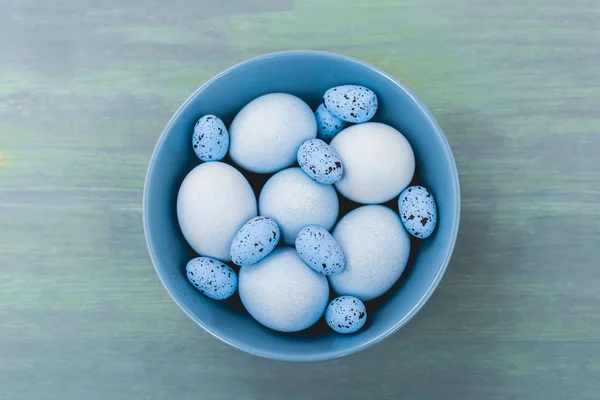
320 161
320 251
255 240
210 139
351 103
327 125
346 314
282 293
266 133
418 211
376 247
211 277
294 201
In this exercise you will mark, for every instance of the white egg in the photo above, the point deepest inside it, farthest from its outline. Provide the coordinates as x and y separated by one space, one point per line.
295 201
376 247
282 292
266 133
378 162
214 202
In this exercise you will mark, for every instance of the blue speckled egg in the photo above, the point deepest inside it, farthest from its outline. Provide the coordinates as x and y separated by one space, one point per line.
255 240
346 314
210 138
418 211
320 161
211 277
327 125
351 103
320 251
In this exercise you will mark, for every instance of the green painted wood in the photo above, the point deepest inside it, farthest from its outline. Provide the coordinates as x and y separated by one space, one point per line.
85 90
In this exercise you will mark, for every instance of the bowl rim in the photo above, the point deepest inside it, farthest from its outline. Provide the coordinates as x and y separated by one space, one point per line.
334 353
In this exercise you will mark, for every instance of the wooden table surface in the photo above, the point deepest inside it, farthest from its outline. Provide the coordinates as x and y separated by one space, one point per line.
86 87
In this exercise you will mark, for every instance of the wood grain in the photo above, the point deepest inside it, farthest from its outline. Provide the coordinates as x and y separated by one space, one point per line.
86 88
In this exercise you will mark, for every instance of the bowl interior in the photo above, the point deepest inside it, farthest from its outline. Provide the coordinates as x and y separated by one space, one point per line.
307 75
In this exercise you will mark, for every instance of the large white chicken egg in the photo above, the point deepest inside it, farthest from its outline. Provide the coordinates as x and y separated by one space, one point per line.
295 201
267 132
378 162
376 247
213 203
282 292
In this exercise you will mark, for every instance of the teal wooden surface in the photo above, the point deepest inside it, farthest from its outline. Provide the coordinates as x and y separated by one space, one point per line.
85 90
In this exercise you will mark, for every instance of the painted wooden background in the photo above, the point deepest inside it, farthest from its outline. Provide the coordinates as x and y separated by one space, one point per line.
86 87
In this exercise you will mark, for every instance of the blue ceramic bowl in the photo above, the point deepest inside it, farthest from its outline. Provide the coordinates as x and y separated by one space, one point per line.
306 74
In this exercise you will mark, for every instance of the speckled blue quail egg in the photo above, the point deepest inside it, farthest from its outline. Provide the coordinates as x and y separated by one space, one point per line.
376 248
378 162
211 277
294 201
351 103
282 293
319 250
266 133
418 211
213 203
210 139
327 125
346 314
318 160
255 240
